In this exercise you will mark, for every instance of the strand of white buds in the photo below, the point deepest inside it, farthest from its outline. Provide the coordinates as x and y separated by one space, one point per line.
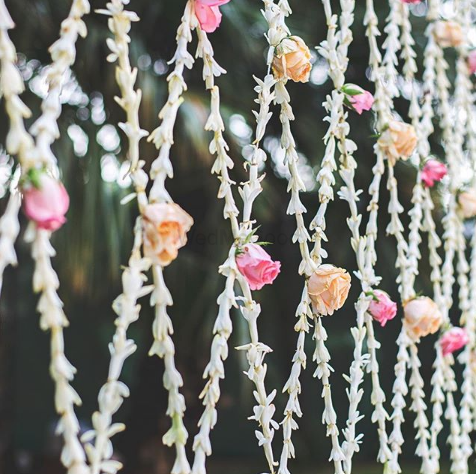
113 392
392 46
468 416
45 280
161 169
256 351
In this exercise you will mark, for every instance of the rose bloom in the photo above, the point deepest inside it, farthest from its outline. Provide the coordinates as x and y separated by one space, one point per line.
47 203
472 61
448 33
467 203
357 98
422 317
382 309
165 227
256 266
411 1
328 289
292 60
208 14
398 141
453 340
433 171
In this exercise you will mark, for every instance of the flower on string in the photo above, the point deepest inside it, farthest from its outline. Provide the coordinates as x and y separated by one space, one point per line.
357 98
382 308
208 14
422 317
46 200
433 171
467 203
328 289
398 140
256 265
472 61
448 34
292 60
453 340
165 227
411 1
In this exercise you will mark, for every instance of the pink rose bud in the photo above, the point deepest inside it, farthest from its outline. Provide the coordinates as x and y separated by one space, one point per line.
212 3
433 171
256 266
208 14
453 340
411 1
382 308
357 98
45 201
472 61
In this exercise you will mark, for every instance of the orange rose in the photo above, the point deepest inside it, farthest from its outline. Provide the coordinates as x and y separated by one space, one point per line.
448 34
398 141
292 60
467 203
422 317
165 227
328 289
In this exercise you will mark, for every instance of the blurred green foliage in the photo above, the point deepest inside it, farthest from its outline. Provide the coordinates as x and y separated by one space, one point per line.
97 240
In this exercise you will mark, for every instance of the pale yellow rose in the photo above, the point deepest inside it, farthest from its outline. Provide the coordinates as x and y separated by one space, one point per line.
292 60
398 141
422 317
448 33
328 289
165 227
467 203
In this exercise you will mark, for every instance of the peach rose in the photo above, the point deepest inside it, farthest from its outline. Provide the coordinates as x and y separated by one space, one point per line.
422 317
165 227
292 60
328 289
467 203
398 141
448 33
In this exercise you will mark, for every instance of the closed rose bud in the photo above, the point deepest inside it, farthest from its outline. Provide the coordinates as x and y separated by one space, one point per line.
382 308
422 317
212 3
453 340
433 171
357 98
448 33
472 61
45 201
292 60
398 141
328 289
467 203
411 1
165 227
255 264
208 17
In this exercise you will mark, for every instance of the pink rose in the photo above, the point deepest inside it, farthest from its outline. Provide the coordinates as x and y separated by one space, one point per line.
212 3
382 309
46 201
256 266
357 98
472 61
208 14
411 1
433 171
453 340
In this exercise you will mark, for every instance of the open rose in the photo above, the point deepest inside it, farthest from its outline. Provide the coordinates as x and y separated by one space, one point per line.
45 200
433 171
453 340
448 33
382 308
328 289
208 14
256 266
398 141
467 203
292 60
422 317
165 227
357 98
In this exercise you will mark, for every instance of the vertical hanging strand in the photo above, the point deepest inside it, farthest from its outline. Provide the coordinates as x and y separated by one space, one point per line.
256 351
113 392
161 169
